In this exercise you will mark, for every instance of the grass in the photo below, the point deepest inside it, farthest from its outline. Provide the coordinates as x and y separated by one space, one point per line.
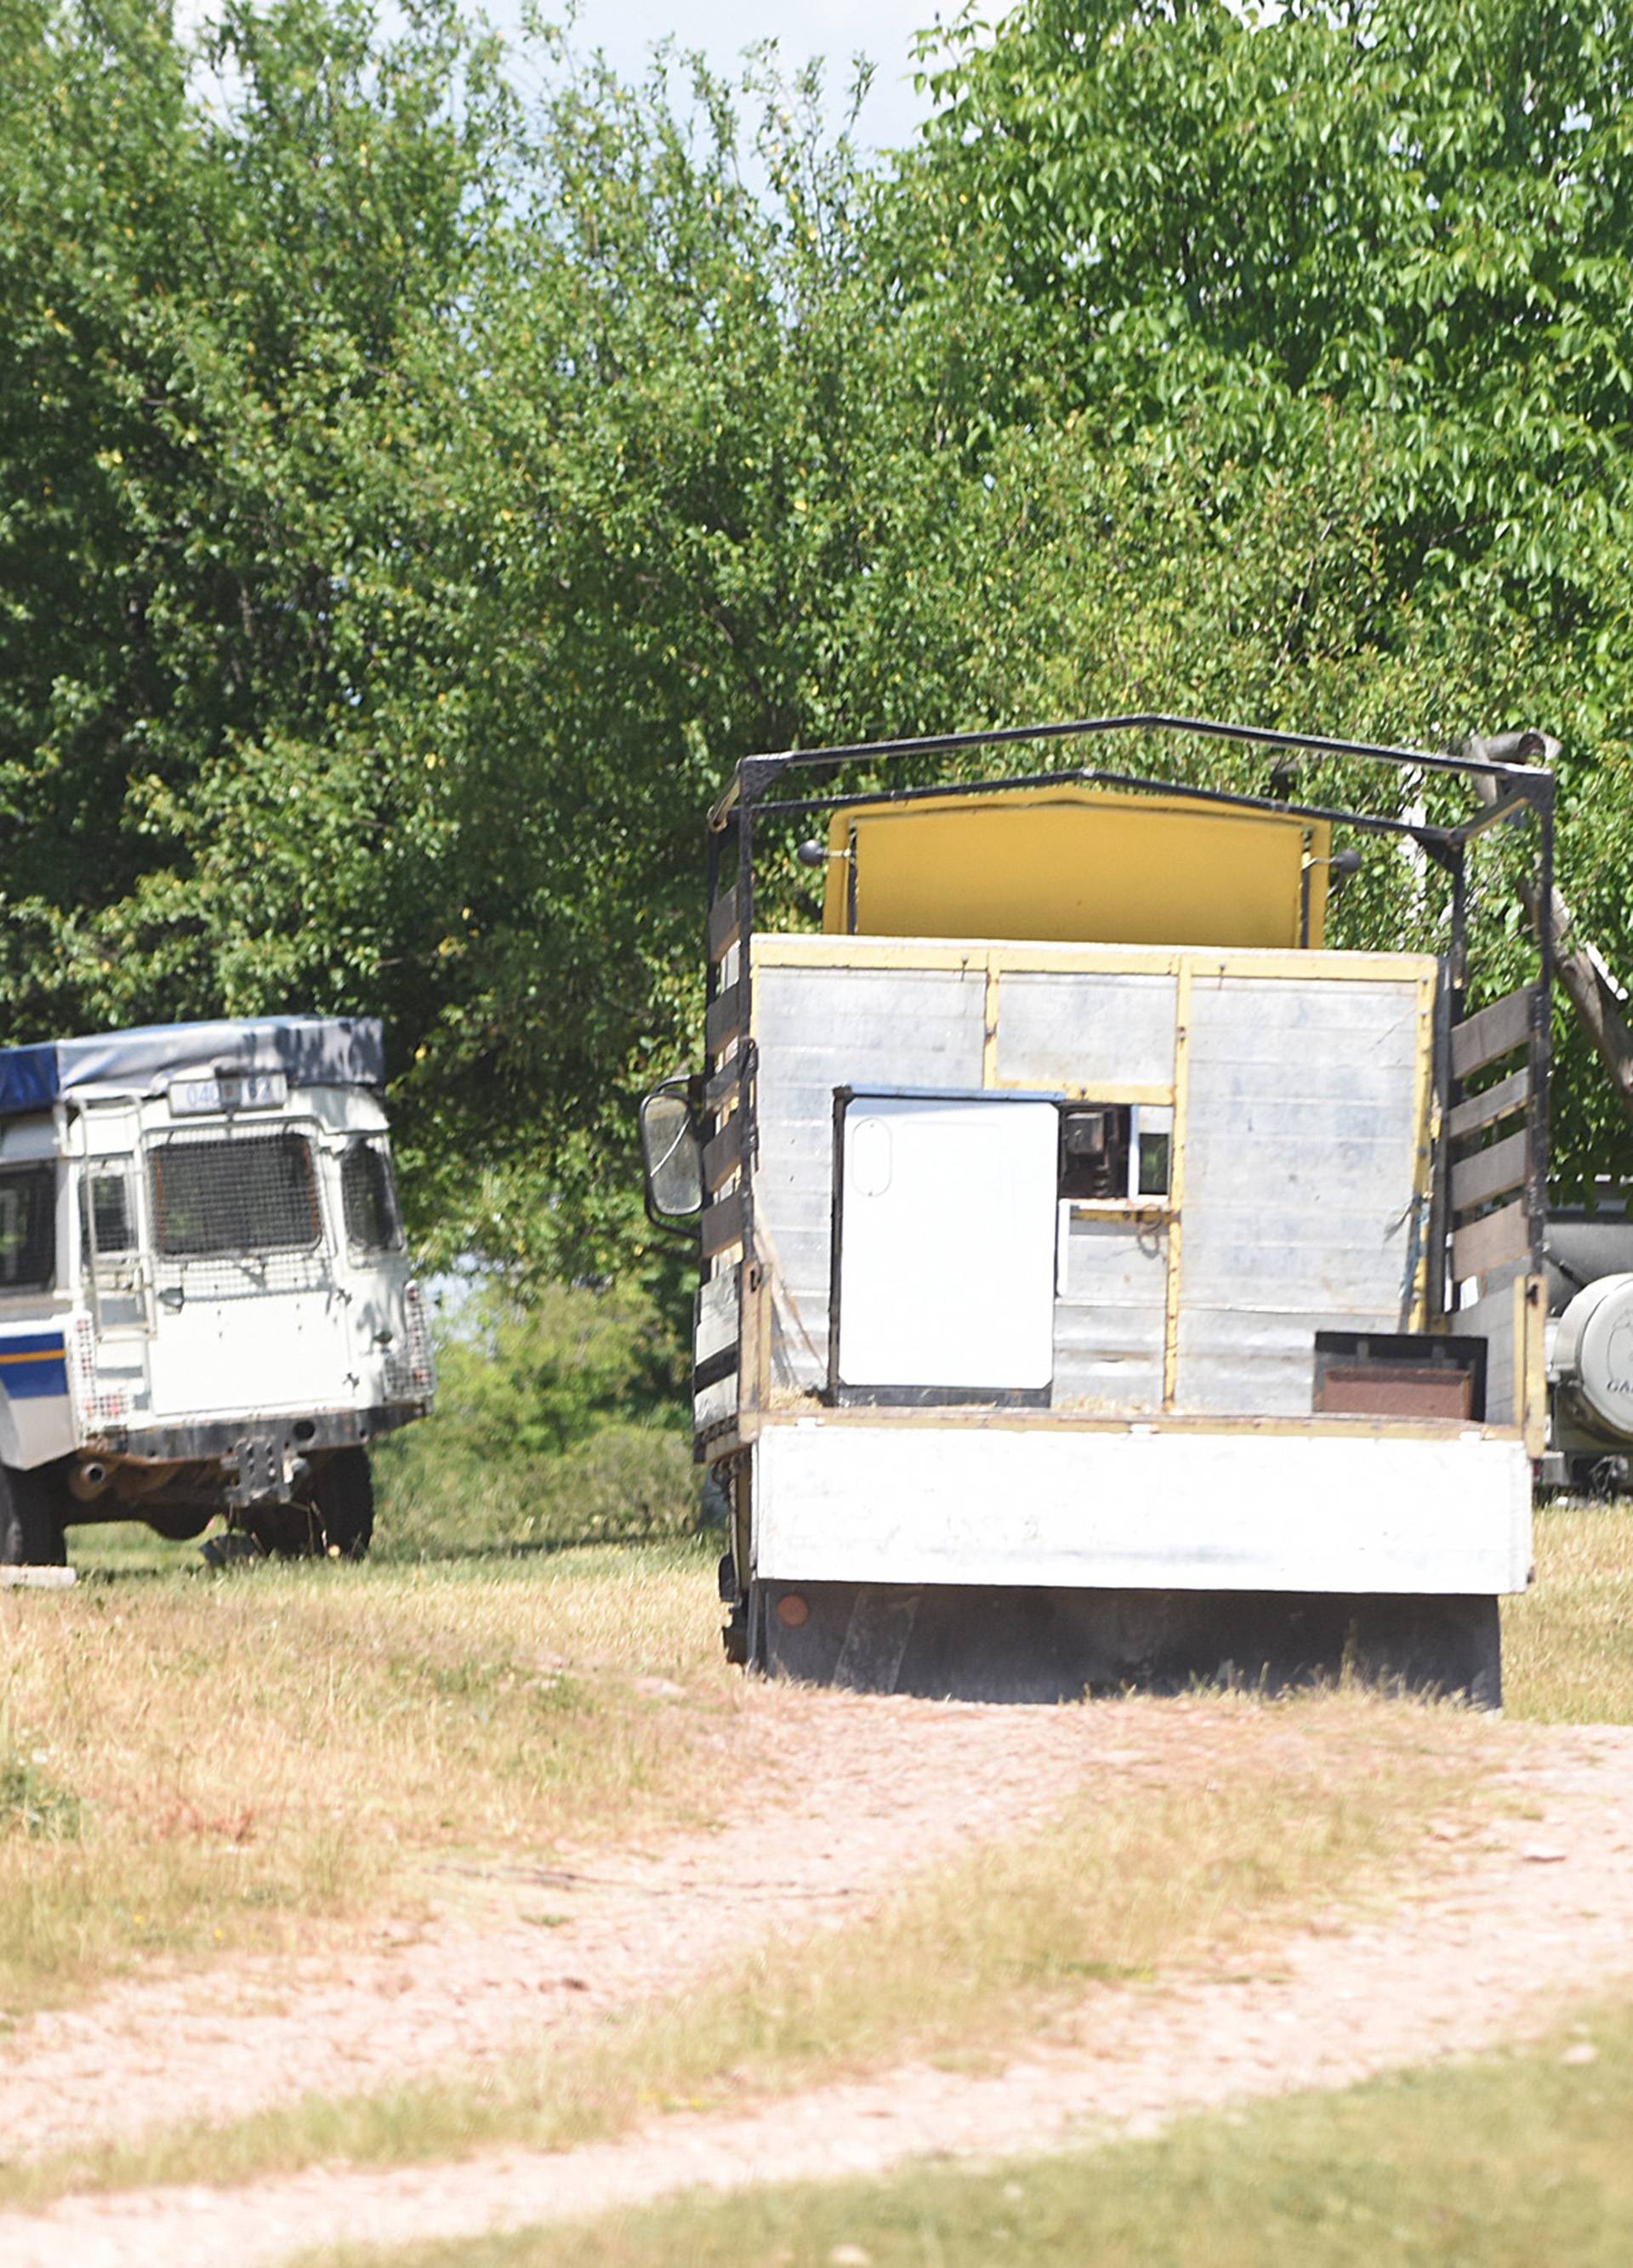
1568 1643
1516 2159
1267 1812
193 1765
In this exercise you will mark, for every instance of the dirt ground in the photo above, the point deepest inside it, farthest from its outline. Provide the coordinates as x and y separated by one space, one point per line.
855 1792
1532 1908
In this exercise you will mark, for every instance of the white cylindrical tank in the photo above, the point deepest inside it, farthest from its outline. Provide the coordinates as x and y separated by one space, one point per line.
1592 1358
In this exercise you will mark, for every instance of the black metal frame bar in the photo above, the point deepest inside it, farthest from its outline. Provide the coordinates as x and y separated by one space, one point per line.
755 773
1087 775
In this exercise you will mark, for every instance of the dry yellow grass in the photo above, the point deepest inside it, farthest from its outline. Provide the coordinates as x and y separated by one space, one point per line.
190 1762
1568 1643
249 1753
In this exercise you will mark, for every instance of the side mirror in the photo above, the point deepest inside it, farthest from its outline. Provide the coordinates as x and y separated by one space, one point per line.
672 1156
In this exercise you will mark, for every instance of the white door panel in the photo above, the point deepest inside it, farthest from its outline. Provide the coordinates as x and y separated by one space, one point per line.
947 1243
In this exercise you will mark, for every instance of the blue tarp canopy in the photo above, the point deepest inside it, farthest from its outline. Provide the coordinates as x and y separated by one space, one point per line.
309 1051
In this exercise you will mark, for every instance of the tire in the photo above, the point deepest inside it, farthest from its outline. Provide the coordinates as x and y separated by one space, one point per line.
31 1527
342 1494
181 1526
284 1531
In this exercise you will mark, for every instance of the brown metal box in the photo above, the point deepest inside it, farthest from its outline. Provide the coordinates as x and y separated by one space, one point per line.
1389 1390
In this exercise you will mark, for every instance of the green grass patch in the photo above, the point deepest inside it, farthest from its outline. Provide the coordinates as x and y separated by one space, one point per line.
1518 2159
34 1804
560 1418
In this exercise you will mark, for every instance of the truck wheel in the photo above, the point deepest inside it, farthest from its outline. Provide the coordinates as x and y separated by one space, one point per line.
284 1531
180 1526
31 1527
343 1491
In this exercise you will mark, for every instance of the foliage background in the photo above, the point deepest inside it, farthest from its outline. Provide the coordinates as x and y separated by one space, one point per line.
413 498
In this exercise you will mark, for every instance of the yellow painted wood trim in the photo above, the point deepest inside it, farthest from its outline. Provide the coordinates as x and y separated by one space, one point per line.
1424 1115
818 951
1322 968
1176 1188
754 1373
808 1411
989 1028
1154 1210
1531 1361
1105 1090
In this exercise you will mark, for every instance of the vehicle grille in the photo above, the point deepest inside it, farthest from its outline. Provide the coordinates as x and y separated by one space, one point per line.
237 1214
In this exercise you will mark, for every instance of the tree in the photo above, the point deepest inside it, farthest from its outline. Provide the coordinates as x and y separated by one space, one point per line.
1421 214
412 501
1397 238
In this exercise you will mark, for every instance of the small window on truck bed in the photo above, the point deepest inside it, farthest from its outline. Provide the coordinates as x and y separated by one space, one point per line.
1094 1152
369 1198
242 1195
27 1228
1115 1152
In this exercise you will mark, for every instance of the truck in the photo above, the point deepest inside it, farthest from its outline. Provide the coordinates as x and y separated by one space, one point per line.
1104 1279
206 1304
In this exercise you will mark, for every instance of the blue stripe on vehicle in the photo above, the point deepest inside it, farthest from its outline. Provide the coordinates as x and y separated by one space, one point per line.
33 1365
34 1381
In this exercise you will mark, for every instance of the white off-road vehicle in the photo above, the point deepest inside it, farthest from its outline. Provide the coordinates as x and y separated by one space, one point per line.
206 1305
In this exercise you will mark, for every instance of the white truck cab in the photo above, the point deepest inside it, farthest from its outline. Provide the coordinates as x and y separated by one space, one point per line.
206 1305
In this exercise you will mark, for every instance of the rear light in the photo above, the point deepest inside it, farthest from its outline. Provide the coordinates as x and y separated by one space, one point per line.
97 1408
422 1367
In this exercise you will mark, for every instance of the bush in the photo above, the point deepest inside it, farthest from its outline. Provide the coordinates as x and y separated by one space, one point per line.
558 1420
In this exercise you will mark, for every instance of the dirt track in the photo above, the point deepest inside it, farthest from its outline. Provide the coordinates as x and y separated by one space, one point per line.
1529 1913
855 1794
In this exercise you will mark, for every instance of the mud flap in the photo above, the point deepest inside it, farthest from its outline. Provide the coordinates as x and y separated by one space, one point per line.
881 1626
1031 1646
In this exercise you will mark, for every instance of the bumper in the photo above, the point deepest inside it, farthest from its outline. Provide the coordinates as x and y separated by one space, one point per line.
1426 1513
219 1439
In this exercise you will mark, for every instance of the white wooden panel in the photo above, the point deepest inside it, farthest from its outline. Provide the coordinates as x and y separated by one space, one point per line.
1110 1316
1058 1030
715 1330
716 1314
1492 1318
715 1403
883 1503
1301 1148
947 1244
1240 1360
820 1028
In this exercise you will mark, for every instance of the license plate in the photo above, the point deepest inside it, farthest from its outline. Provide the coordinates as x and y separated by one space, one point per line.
258 1090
